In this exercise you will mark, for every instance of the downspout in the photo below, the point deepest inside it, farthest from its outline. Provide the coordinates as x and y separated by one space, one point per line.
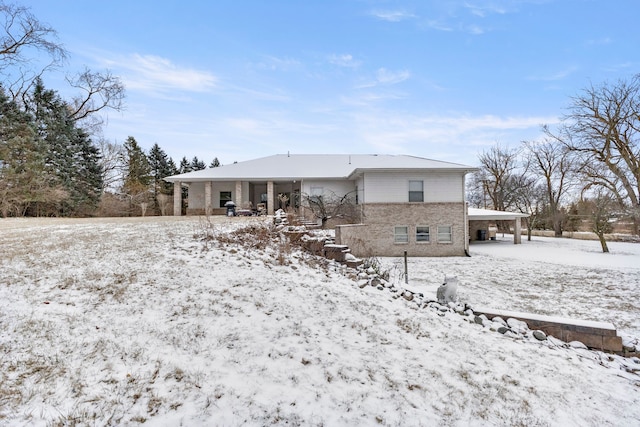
466 229
465 216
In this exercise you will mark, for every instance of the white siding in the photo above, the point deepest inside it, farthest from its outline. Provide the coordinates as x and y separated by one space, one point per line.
361 192
217 188
196 195
330 187
393 187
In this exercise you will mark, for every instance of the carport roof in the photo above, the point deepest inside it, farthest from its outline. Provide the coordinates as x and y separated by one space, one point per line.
475 214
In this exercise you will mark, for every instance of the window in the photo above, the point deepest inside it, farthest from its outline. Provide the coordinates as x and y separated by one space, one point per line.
225 196
416 191
422 233
401 234
444 234
316 194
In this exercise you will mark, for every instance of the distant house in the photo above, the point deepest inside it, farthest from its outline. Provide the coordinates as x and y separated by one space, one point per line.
405 203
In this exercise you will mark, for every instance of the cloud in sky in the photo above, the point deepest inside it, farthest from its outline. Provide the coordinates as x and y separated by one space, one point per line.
154 74
344 60
399 133
559 75
392 15
484 9
386 77
281 64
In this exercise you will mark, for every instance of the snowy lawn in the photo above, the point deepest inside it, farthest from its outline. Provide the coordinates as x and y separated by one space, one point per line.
131 321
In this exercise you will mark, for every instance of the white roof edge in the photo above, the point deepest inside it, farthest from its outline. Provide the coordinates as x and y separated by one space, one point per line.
490 214
284 167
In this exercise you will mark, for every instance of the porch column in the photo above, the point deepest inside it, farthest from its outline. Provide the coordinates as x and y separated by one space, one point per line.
239 194
177 198
207 198
517 232
270 201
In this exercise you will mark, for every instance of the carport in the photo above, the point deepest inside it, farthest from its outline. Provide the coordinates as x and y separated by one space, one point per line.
479 219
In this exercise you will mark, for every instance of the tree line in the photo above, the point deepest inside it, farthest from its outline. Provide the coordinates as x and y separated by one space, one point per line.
53 158
586 170
134 179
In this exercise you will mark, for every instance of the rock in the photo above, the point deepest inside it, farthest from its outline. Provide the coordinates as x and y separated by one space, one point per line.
362 283
479 320
503 329
408 296
371 271
539 335
517 326
494 326
363 276
499 320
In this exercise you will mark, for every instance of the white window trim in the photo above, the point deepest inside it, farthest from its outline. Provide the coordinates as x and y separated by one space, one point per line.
409 190
445 242
423 242
395 235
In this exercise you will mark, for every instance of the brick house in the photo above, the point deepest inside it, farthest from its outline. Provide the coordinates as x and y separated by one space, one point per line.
405 203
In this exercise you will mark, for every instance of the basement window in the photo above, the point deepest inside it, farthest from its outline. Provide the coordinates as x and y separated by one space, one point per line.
422 234
445 234
401 234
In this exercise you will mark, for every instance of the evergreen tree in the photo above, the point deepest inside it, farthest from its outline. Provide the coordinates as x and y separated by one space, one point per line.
215 163
185 166
72 161
161 166
23 180
137 176
197 164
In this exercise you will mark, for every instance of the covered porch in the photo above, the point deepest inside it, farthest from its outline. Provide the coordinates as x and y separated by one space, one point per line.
250 197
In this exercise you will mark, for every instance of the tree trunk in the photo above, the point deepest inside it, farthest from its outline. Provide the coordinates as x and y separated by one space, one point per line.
603 243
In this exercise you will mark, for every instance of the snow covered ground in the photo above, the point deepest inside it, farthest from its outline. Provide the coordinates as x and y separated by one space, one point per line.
130 321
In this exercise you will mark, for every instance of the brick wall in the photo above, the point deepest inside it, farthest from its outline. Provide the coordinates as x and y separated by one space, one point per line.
376 236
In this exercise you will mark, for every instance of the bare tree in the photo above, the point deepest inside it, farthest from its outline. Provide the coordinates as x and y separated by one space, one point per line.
332 206
112 164
552 162
23 32
603 129
98 91
601 215
498 176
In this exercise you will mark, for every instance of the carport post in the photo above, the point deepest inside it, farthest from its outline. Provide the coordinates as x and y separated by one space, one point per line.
517 231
